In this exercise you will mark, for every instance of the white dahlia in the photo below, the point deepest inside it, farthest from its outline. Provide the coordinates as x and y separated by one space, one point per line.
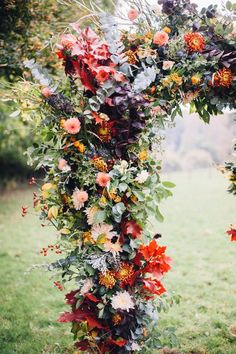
91 212
122 301
142 177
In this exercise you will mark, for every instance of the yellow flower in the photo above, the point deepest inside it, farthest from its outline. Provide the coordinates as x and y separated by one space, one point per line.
80 146
167 30
102 201
143 155
196 79
176 78
100 164
62 122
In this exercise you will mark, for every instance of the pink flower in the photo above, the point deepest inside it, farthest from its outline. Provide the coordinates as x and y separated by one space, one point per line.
79 197
103 179
72 125
47 92
133 14
168 64
63 165
160 38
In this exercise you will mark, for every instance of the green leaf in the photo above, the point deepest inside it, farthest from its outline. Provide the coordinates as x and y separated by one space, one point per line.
123 187
158 215
99 217
139 195
168 184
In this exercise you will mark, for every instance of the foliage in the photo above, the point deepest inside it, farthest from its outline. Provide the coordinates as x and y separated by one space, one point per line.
102 180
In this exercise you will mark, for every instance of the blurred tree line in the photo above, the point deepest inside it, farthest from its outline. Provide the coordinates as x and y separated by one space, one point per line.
27 30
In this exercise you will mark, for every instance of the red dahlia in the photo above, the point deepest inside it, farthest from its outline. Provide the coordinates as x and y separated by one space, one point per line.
223 78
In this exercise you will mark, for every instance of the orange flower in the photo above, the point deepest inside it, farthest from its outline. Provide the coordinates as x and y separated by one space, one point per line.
194 41
143 155
160 38
223 77
125 273
116 319
107 279
133 14
103 179
80 146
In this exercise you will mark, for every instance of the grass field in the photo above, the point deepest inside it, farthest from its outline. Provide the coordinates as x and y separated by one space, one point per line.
203 272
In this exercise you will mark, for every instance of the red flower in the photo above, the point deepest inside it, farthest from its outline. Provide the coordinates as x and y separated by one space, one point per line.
157 262
81 315
232 233
91 297
153 286
195 41
132 228
24 211
70 297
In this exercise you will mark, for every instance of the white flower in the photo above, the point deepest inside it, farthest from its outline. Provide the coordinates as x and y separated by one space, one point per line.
122 300
168 64
88 284
122 167
135 346
103 232
156 9
112 247
142 177
91 212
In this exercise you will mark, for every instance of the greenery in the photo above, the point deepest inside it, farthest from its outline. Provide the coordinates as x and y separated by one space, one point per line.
194 230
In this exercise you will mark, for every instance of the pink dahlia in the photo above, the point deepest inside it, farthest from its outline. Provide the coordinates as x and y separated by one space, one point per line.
72 125
103 179
79 197
160 38
133 14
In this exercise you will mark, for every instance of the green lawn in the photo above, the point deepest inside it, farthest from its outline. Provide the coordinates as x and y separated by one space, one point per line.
203 272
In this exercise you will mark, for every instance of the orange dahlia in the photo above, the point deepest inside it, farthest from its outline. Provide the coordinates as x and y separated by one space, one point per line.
194 41
116 319
223 77
107 279
125 272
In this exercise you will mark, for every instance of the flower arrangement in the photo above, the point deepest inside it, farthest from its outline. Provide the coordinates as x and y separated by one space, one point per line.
102 184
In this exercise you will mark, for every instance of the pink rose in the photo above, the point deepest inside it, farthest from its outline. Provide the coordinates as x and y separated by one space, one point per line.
133 14
72 125
160 38
103 179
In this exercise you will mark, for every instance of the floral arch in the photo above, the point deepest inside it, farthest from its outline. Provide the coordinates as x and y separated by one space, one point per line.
102 180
